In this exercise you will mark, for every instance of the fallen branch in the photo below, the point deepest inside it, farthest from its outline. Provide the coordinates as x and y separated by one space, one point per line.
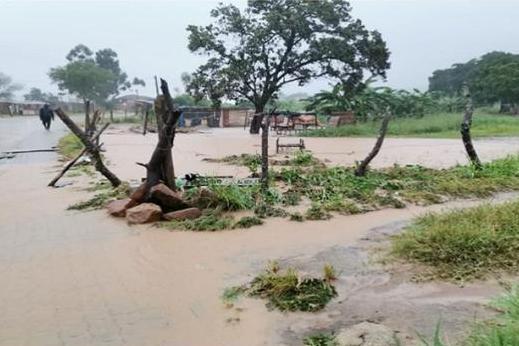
29 151
91 148
361 169
74 160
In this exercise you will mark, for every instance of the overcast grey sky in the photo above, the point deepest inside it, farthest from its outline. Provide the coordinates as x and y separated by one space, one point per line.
150 36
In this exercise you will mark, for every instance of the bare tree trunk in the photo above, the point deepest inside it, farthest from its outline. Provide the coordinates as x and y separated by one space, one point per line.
145 125
465 132
160 166
360 171
74 160
87 116
91 148
265 154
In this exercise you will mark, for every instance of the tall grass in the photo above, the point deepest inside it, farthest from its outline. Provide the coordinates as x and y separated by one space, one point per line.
443 125
464 244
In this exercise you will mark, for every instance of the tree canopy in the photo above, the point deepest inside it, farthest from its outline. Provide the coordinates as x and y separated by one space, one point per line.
35 94
92 76
494 77
253 53
7 87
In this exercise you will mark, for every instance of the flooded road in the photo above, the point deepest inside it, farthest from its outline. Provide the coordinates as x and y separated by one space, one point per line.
83 278
27 133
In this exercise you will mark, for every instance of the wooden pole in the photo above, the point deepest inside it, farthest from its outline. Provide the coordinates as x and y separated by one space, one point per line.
265 154
465 131
90 147
74 160
360 171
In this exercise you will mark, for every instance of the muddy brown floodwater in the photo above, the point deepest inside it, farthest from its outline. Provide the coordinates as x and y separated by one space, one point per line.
82 278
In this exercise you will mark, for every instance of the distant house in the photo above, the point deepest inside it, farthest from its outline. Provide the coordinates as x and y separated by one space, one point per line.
20 108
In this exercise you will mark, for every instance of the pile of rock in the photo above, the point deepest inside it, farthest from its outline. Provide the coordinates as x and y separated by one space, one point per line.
161 204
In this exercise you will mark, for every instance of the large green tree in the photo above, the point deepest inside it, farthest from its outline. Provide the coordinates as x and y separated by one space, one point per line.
92 76
253 53
492 78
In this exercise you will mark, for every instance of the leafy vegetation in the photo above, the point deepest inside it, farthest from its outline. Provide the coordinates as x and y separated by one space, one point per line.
69 146
320 340
271 47
248 222
464 244
443 125
286 291
210 221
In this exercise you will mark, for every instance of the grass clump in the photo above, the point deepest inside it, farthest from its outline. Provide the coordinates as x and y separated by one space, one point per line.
321 340
248 222
464 244
444 125
264 210
286 291
210 221
100 199
329 272
317 212
69 146
230 197
298 217
504 330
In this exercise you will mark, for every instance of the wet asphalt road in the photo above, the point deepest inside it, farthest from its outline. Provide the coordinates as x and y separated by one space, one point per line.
27 133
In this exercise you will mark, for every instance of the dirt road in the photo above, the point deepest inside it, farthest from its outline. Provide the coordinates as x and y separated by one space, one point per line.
72 278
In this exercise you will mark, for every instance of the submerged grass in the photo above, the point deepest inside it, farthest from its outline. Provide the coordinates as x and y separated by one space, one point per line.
106 194
464 244
210 221
445 125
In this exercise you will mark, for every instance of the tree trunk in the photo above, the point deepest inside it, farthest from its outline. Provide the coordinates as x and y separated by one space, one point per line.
465 132
257 119
265 154
91 148
111 115
87 116
361 169
160 166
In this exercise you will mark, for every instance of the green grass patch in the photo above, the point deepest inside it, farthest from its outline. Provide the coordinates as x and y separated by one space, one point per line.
321 339
464 244
69 146
287 292
338 189
248 222
446 125
210 221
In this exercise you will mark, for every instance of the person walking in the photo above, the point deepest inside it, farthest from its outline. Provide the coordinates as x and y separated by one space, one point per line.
46 116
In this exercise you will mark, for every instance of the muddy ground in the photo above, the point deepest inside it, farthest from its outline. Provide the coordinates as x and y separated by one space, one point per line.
82 278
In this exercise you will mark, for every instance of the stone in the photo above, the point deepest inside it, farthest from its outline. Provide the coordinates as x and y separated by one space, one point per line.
139 194
118 207
144 213
184 214
366 334
167 198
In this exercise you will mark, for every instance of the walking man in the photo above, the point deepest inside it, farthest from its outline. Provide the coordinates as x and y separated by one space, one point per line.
46 115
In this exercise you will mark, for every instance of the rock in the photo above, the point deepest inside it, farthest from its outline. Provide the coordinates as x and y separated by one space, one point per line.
118 207
144 213
184 214
139 194
167 198
366 334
